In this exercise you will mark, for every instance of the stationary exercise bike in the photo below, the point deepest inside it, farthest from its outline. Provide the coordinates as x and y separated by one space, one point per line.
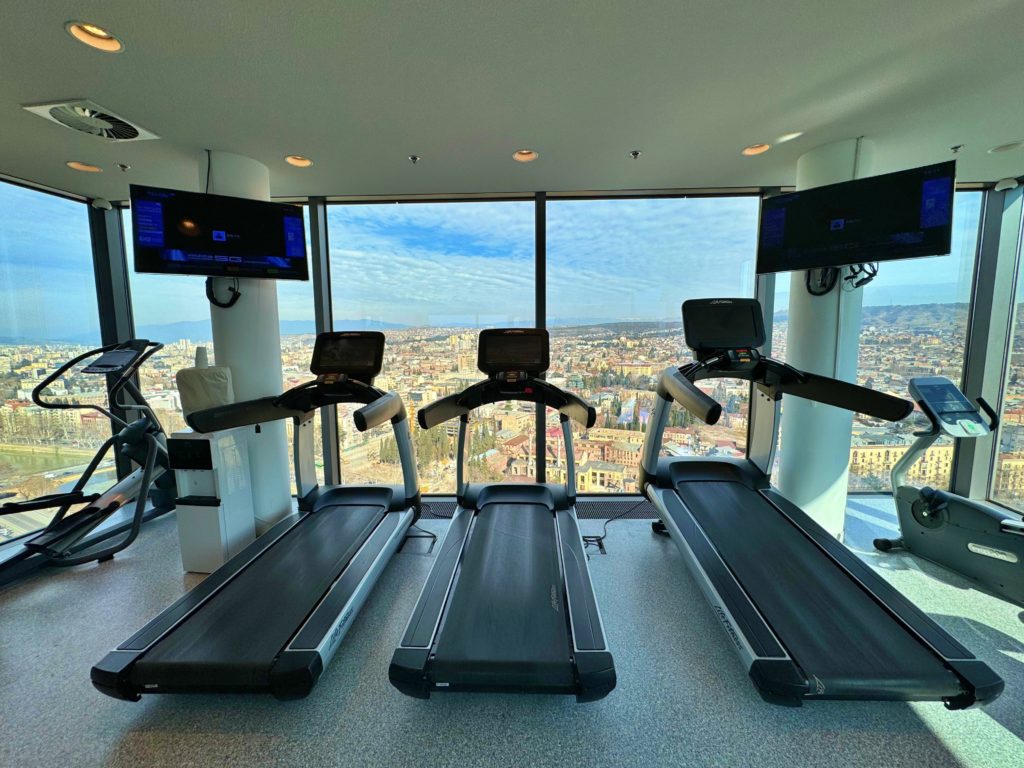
77 537
977 540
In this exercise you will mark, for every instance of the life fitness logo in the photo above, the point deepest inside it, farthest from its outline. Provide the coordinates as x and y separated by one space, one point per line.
721 301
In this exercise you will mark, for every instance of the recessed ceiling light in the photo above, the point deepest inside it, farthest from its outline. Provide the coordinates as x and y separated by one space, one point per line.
789 136
525 155
1008 146
755 149
298 161
75 165
94 36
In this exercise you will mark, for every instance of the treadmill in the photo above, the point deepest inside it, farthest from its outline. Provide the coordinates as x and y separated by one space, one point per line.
271 618
508 605
809 619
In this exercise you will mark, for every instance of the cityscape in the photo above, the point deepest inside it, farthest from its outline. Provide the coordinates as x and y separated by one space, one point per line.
613 365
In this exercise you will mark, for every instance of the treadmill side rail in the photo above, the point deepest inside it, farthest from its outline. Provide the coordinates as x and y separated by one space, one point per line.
584 616
298 668
777 677
423 624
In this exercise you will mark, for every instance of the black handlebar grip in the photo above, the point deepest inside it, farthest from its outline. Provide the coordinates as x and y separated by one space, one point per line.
672 385
387 408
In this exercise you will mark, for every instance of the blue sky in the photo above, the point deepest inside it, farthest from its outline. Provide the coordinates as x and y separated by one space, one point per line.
471 263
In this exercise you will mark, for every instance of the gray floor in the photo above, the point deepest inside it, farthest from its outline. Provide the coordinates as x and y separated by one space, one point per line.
682 698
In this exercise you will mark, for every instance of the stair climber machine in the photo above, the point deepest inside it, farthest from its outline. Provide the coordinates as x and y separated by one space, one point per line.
110 520
508 605
270 619
977 540
808 618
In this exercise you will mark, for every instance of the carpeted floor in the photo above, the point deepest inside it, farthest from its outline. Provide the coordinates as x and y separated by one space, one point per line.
682 698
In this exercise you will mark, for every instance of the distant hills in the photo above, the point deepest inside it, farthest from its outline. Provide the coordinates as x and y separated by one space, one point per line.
906 316
902 316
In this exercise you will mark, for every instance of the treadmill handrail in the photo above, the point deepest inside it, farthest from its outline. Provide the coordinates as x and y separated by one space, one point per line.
673 385
244 414
387 408
301 400
496 391
787 380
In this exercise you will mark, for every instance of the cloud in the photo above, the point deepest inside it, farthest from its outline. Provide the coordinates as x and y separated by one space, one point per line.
470 262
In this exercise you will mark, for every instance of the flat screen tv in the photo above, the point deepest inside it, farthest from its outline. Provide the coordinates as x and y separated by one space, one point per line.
898 215
190 233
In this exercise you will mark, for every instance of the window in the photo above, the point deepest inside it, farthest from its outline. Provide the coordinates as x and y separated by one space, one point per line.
298 334
430 275
47 316
1008 482
173 310
913 323
618 272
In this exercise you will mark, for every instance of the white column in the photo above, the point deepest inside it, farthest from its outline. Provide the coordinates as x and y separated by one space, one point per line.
247 339
823 338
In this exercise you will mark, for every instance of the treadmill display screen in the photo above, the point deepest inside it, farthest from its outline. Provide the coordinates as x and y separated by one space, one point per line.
358 354
711 324
513 349
945 398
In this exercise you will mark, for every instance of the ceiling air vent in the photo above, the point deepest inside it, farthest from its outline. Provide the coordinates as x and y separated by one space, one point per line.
90 118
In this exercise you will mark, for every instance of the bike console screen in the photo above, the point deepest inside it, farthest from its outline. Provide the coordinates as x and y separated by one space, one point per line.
502 350
356 354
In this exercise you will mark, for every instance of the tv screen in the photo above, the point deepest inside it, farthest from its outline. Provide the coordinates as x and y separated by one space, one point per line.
894 216
190 233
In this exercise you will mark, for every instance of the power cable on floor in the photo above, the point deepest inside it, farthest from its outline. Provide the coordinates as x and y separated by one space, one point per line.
598 541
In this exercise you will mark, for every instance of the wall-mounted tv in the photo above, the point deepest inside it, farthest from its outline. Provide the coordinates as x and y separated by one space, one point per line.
190 233
894 216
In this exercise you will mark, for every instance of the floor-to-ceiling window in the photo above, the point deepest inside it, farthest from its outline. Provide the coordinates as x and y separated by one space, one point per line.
48 315
618 272
298 334
431 275
914 323
173 310
1008 479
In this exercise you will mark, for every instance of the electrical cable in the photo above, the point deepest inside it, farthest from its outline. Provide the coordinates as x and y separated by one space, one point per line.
860 275
232 289
598 541
209 162
827 278
423 534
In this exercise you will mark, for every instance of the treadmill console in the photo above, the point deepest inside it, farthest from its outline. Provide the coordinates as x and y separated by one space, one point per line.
947 407
355 354
729 330
514 353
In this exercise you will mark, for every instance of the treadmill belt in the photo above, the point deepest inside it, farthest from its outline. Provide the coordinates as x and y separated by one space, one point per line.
831 627
233 639
506 622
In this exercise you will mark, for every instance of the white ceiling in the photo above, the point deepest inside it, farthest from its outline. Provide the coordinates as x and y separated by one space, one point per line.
360 85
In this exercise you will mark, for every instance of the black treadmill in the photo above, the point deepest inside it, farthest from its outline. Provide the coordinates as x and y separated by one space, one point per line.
271 618
508 605
809 619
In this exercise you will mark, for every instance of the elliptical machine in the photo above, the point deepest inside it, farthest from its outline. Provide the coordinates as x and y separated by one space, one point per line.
75 538
980 541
